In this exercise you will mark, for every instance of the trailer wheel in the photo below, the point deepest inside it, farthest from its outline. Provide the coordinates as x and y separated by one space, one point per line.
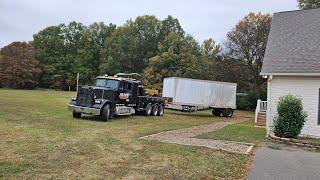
76 115
161 110
216 112
148 110
155 110
227 112
105 114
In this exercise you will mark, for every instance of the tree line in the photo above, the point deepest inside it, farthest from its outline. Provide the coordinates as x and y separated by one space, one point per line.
146 45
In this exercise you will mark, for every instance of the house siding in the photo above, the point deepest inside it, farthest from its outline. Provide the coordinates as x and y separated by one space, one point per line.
305 87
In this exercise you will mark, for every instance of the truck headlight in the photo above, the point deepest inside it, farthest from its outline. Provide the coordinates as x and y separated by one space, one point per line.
73 99
97 101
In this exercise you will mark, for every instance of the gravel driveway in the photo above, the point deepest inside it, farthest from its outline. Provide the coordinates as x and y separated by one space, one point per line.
186 136
280 161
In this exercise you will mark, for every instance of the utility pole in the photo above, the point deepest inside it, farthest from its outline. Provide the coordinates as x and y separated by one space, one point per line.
77 81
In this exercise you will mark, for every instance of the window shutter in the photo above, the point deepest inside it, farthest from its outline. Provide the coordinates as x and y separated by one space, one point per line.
319 109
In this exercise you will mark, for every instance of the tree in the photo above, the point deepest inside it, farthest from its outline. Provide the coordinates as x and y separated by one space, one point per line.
57 50
67 69
168 26
309 4
131 45
246 43
50 50
210 52
178 56
89 54
18 66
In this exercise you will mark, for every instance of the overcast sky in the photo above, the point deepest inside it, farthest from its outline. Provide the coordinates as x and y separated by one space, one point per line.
20 19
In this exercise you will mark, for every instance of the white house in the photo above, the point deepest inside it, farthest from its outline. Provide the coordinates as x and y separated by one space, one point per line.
292 64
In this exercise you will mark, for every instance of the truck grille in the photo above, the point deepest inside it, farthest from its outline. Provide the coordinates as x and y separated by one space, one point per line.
98 93
85 97
109 94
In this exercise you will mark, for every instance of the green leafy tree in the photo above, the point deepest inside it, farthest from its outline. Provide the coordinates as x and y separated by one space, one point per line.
246 44
49 47
178 56
131 45
309 4
211 54
90 48
168 26
57 50
18 66
73 33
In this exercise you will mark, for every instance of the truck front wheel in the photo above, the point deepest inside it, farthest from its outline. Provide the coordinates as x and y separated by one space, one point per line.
148 110
227 112
155 110
161 110
105 113
76 115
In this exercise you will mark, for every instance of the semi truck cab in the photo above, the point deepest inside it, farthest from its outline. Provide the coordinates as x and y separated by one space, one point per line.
114 95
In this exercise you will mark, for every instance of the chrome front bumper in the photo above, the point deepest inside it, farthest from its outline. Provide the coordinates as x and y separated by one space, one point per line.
84 110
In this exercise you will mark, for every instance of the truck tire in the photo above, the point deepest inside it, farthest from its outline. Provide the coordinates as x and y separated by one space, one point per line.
227 112
161 110
105 113
148 110
155 110
216 112
76 115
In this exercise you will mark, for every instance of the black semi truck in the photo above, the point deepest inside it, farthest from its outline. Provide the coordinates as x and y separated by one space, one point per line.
115 95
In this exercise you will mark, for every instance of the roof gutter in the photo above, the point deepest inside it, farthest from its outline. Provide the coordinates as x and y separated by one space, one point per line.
290 74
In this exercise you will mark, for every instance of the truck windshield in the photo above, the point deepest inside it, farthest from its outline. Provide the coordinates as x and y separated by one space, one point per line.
107 83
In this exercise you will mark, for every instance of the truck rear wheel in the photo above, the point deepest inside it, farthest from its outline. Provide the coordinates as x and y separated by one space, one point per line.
161 110
148 110
155 110
216 112
76 115
105 114
227 112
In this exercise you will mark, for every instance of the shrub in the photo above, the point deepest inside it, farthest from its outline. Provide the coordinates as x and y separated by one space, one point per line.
291 118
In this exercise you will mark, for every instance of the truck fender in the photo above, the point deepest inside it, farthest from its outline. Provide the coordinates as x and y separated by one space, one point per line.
106 102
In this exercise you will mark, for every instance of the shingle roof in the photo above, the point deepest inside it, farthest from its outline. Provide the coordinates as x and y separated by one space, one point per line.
293 43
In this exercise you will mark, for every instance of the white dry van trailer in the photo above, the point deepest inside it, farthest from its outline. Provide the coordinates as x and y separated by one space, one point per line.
192 95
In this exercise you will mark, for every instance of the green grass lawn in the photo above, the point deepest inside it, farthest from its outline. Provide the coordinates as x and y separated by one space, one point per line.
40 139
242 132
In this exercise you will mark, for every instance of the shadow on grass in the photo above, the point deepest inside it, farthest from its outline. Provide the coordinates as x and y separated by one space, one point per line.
97 118
190 114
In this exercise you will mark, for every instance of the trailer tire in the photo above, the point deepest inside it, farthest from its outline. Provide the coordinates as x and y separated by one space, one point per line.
148 110
227 112
216 112
105 113
161 110
155 110
76 115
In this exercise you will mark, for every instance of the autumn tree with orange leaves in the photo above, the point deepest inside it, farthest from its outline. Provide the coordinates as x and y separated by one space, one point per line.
18 66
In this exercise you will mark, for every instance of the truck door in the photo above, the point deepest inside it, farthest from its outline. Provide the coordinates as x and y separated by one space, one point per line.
134 93
125 92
